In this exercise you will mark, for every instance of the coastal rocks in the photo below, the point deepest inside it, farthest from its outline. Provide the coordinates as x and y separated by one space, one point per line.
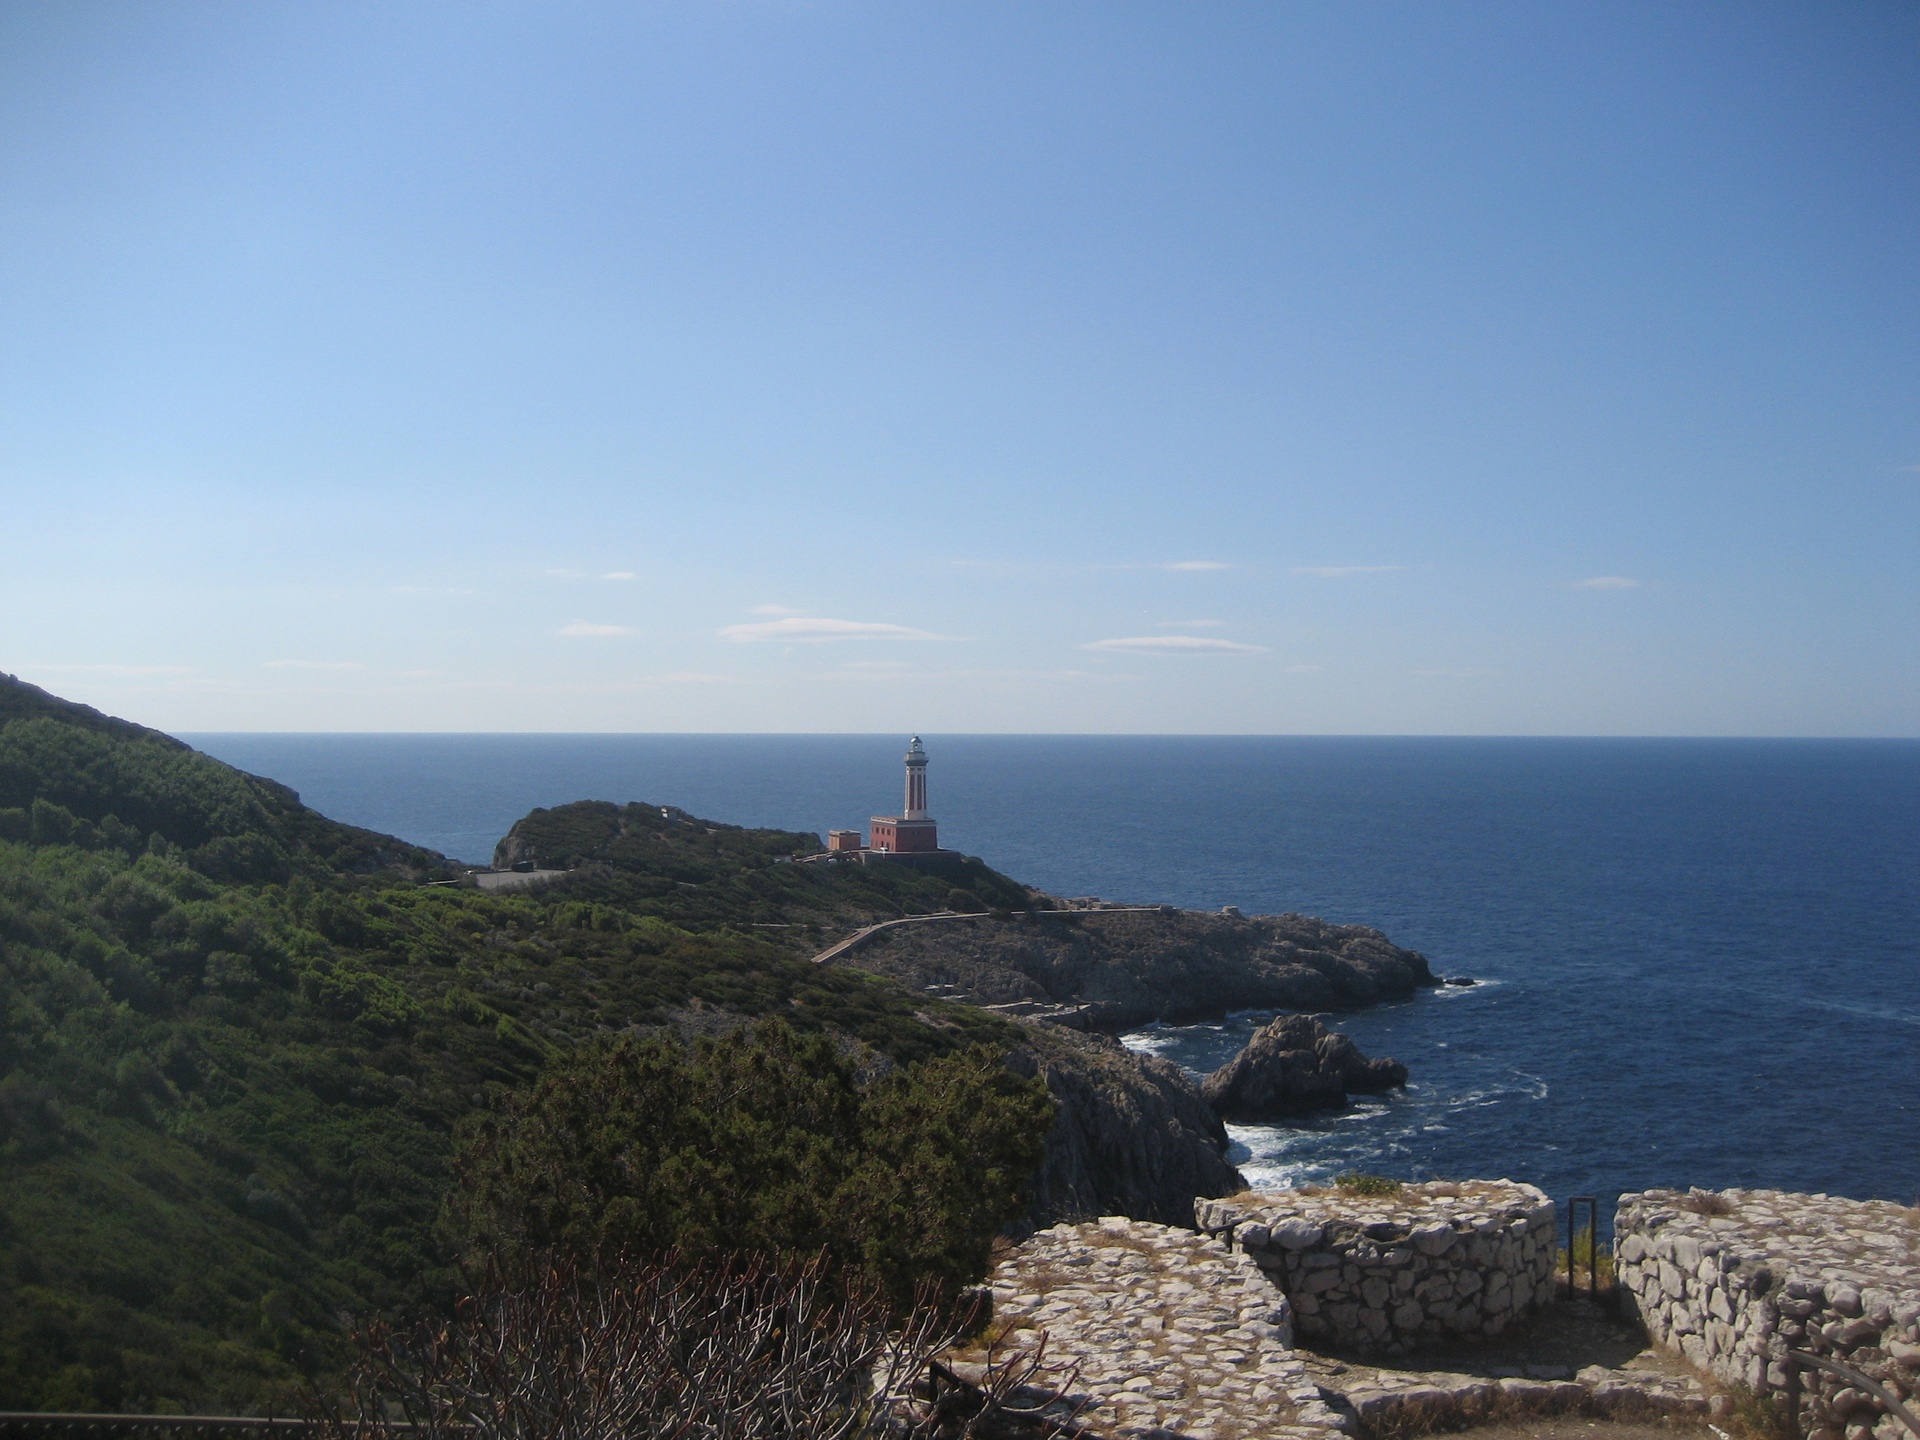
1131 1135
1127 967
1735 1279
1386 1274
1173 1333
1295 1064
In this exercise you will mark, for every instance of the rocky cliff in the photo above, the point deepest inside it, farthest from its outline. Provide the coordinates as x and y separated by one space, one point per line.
1128 967
1131 1137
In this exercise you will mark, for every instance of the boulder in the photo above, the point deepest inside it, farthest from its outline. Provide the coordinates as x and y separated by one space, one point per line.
1295 1064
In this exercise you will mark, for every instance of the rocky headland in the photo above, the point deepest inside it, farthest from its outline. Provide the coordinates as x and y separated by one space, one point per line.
1124 967
1135 1135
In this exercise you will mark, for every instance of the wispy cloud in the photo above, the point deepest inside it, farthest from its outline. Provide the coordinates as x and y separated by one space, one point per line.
772 610
620 575
314 665
1191 624
1606 582
1175 645
588 628
118 669
802 628
1057 567
852 672
1341 572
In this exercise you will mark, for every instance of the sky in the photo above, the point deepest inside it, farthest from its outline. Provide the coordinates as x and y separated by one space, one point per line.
1079 367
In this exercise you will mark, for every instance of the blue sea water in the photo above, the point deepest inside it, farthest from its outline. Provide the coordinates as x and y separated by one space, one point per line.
1698 960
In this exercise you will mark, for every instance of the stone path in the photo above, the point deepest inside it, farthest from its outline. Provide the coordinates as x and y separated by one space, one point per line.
860 937
1175 1334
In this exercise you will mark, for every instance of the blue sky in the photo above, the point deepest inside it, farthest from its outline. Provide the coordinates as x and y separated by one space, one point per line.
1419 368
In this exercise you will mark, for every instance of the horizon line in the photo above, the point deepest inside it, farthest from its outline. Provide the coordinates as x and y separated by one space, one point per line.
1061 734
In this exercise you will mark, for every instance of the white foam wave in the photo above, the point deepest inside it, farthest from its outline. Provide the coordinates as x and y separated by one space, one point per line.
1538 1089
1456 992
1868 1012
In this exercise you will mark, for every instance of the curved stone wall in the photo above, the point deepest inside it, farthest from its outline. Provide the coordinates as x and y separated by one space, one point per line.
1388 1274
1734 1279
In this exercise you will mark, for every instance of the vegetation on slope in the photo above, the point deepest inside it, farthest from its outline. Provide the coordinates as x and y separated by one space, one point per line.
659 861
237 1039
762 1141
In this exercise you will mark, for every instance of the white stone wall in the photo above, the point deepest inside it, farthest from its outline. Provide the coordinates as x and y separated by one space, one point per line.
1387 1274
1734 1279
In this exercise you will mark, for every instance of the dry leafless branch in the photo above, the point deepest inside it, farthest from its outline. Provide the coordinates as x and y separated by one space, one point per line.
747 1349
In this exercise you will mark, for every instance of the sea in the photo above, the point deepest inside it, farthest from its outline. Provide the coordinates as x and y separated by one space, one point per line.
1696 961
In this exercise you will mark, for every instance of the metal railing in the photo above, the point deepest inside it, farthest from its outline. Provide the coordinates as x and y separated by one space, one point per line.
34 1424
1575 1203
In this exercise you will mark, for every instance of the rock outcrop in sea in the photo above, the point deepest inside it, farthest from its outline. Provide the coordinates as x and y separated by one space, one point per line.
1295 1064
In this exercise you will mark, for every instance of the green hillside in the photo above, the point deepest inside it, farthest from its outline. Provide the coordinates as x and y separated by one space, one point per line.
237 1038
658 860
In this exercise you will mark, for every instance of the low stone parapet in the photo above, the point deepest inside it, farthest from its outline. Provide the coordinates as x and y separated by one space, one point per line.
1734 1279
1413 1402
1387 1274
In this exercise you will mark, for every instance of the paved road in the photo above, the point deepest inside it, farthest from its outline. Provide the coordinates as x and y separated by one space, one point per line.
859 937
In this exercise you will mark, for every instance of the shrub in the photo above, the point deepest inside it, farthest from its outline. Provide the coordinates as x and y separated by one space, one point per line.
1595 1263
1354 1182
750 1350
1704 1202
761 1141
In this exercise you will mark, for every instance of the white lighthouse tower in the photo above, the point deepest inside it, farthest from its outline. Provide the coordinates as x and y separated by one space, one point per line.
916 782
912 832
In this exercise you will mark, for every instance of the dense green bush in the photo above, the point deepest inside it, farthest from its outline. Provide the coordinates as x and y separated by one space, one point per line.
762 1141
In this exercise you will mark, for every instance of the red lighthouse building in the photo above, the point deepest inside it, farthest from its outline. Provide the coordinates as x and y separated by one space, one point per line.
914 832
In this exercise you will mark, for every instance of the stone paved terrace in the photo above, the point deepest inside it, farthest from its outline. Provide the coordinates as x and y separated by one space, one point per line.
1175 1334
